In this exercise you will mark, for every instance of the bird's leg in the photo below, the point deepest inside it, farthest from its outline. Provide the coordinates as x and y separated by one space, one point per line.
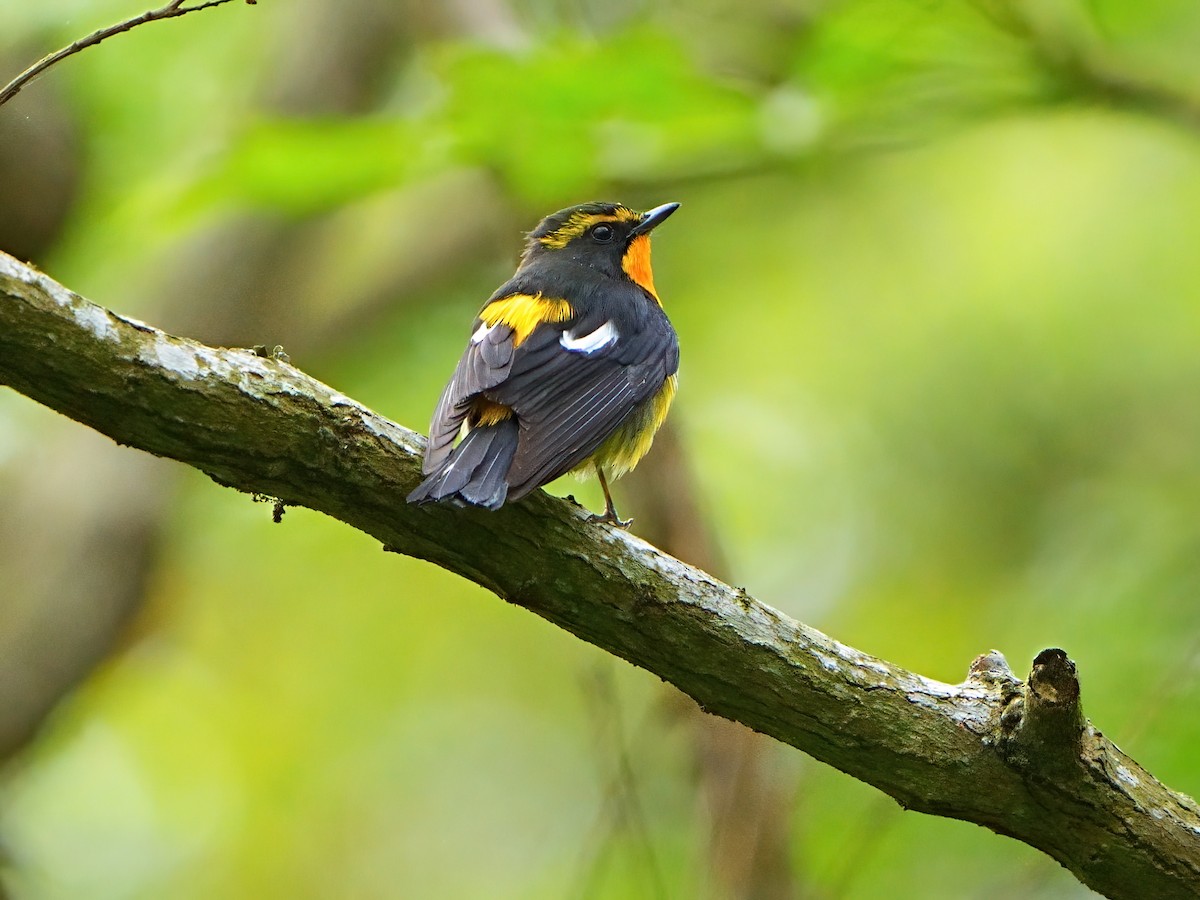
610 512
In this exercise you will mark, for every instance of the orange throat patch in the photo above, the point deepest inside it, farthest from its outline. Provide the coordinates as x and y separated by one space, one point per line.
636 263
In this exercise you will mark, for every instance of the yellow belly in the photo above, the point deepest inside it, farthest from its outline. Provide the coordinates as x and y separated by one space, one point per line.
626 446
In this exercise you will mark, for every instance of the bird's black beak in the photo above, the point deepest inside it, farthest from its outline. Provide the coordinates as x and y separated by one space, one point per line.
651 219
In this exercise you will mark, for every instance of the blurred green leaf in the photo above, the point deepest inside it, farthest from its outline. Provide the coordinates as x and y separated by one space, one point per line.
303 166
574 111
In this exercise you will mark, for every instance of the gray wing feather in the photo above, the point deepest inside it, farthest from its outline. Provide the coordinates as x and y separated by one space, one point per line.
483 366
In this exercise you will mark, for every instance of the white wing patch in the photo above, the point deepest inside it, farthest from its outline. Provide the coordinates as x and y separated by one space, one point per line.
602 337
481 332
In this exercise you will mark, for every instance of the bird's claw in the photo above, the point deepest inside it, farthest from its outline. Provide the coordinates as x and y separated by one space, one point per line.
609 517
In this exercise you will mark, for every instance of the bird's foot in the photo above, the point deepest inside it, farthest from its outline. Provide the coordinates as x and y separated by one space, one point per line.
609 517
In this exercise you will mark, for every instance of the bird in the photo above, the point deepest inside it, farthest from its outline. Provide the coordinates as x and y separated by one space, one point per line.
571 366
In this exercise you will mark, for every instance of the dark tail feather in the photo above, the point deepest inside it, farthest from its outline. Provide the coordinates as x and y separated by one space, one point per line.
476 471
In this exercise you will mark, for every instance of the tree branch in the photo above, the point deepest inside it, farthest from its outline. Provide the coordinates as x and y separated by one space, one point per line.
1083 63
172 10
1018 758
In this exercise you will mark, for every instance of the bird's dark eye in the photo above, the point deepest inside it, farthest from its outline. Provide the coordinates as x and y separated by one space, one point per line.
602 234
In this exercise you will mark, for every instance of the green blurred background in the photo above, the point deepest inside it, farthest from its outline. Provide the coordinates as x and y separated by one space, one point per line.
937 284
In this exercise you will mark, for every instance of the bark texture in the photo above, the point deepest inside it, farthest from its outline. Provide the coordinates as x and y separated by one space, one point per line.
1015 756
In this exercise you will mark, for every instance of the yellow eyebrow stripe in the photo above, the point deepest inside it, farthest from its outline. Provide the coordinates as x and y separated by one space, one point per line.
525 312
581 222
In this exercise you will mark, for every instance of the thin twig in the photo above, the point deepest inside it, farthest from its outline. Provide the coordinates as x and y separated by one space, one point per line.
170 11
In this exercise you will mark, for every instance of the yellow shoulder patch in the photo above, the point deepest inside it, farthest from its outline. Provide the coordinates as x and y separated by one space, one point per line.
525 312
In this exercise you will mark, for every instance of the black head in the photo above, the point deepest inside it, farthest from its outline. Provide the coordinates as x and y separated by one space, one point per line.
601 235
